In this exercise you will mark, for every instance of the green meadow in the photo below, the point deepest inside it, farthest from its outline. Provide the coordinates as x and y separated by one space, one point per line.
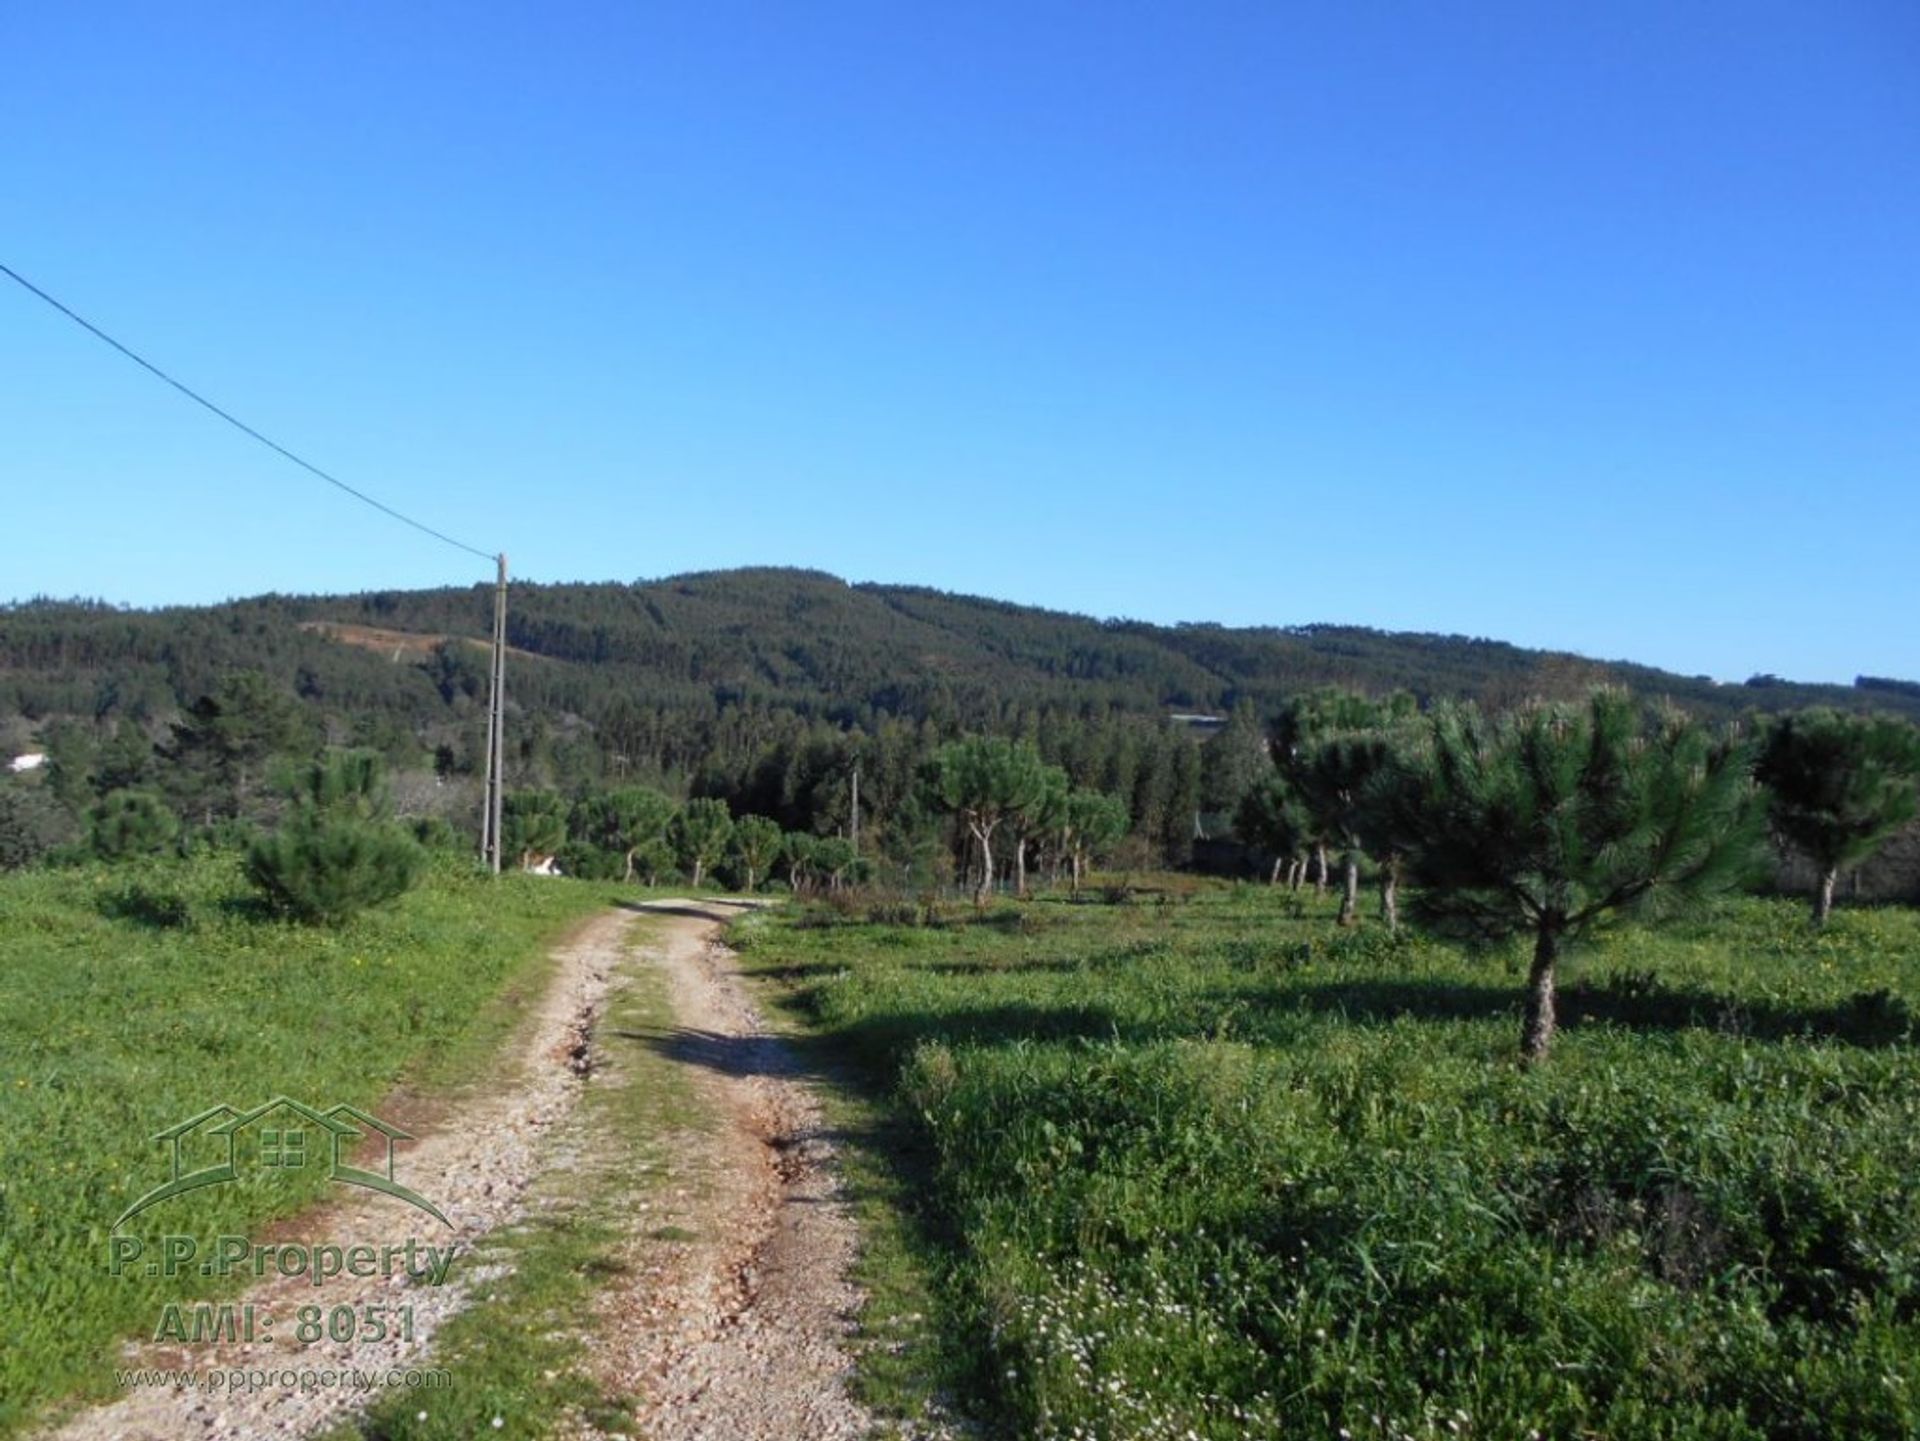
1201 1164
134 997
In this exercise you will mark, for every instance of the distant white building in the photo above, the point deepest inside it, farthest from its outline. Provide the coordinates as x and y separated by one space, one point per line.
32 761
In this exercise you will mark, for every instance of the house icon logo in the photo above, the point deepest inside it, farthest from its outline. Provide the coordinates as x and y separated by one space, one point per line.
220 1143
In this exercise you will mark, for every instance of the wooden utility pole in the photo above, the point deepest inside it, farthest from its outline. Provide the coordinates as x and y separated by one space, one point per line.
491 844
855 828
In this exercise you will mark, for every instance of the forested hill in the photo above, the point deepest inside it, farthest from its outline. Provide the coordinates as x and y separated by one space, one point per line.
789 639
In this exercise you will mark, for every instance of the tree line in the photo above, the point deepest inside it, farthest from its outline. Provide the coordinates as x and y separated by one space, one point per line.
963 796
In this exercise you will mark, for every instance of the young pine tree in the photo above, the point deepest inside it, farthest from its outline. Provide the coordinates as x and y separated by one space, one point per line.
130 823
533 823
1095 824
1301 732
336 852
1334 780
1272 817
1838 785
756 846
1547 821
701 833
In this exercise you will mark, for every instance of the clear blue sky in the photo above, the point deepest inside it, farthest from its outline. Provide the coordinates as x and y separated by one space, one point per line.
1592 327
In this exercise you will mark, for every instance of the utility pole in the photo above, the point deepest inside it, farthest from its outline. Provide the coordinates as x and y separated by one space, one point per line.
491 844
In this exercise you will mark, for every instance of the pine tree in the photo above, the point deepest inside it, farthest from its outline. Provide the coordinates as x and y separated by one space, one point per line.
984 780
756 844
1549 820
337 852
1385 815
797 849
1273 817
222 744
1838 786
701 833
1040 817
1302 729
533 823
1233 760
130 823
1095 823
1334 780
623 821
834 857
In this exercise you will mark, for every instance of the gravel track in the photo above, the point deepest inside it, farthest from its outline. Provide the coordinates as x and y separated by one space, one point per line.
740 1331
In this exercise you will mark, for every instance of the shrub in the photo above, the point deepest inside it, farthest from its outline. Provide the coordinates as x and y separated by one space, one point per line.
335 856
326 869
436 834
130 823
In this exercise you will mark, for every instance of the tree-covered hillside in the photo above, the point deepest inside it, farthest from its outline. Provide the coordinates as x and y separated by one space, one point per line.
760 687
794 639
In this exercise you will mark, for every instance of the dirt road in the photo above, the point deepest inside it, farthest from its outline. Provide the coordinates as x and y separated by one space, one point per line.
739 1332
733 1317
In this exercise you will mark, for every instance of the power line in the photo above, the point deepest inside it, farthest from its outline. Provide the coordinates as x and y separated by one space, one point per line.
236 422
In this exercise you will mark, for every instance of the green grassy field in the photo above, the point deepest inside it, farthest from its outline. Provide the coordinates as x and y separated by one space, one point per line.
132 998
1208 1167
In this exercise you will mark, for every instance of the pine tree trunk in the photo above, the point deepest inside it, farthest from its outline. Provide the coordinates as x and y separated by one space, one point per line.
749 870
1536 1035
628 877
981 895
1274 878
1296 873
1823 897
1350 888
1020 868
1320 874
1390 895
697 868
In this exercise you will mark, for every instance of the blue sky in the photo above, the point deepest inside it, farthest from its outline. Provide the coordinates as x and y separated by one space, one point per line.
1588 327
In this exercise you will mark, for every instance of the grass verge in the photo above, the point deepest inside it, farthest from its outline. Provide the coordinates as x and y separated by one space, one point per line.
134 997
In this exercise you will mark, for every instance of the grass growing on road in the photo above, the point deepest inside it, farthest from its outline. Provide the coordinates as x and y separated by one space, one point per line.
516 1352
1214 1168
134 997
